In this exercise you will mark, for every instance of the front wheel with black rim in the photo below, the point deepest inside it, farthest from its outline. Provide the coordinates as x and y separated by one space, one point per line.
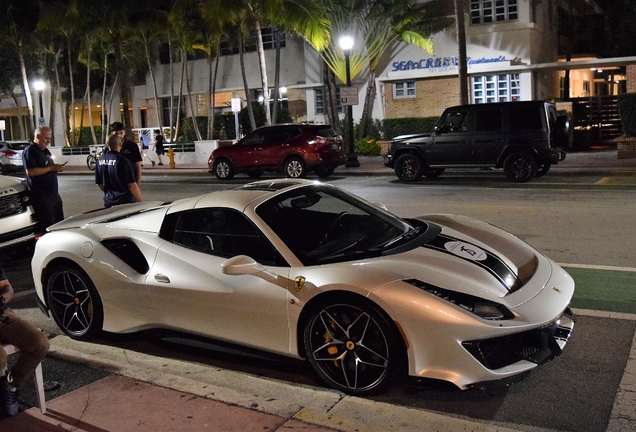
520 167
295 168
223 169
409 167
74 302
353 347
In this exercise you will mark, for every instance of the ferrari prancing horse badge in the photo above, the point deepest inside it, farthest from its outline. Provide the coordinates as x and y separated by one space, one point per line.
299 282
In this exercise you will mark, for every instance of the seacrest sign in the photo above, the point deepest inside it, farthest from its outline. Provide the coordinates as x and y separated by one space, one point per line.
441 63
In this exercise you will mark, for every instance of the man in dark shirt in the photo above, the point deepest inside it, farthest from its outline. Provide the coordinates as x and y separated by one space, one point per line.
115 176
159 145
41 179
129 150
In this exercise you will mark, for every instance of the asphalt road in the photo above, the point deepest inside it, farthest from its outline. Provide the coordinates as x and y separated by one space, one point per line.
575 392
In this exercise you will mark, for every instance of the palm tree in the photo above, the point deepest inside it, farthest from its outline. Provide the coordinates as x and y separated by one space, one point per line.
17 25
377 27
89 41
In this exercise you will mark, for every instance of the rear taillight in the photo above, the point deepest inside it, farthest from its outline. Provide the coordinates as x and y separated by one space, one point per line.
8 153
317 140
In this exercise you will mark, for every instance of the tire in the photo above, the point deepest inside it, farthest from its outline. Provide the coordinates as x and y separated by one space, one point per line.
433 172
295 168
543 170
223 169
324 173
91 162
353 347
409 167
520 167
74 302
255 174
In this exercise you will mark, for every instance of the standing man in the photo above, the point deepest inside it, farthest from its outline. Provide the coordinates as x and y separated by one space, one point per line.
159 145
33 345
41 179
115 176
129 150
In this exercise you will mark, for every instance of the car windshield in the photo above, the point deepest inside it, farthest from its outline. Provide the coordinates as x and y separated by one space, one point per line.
320 224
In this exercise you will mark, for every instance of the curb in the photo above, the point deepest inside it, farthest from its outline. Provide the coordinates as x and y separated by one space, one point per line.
307 404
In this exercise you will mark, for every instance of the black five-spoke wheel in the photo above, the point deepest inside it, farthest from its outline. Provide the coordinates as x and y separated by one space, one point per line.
74 303
352 347
409 167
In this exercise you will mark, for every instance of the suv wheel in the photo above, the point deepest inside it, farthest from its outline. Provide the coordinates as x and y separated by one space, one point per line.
295 168
223 169
520 167
409 167
543 170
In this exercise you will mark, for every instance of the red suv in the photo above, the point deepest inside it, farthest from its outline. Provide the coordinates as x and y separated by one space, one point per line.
294 149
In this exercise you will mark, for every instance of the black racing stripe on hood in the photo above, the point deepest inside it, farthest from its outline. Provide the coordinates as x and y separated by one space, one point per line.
469 252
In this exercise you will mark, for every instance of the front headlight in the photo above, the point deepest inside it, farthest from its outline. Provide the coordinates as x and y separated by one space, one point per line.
485 309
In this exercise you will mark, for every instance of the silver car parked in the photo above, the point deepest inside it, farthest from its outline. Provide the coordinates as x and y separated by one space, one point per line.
11 156
17 221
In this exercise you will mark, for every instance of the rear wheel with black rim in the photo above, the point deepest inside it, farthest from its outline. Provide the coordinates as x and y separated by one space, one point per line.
74 302
520 167
543 170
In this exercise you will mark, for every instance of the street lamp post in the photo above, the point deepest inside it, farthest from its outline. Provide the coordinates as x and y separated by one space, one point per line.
346 43
39 86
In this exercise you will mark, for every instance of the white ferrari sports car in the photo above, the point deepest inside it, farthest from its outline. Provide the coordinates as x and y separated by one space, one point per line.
307 270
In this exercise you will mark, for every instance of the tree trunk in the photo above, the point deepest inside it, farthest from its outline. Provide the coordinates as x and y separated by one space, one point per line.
369 99
263 67
112 95
331 102
154 85
120 65
58 98
26 90
88 97
104 112
461 44
176 128
71 124
276 79
212 97
171 104
248 97
193 112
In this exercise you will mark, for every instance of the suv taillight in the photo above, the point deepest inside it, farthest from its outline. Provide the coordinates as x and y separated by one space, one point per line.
317 140
8 153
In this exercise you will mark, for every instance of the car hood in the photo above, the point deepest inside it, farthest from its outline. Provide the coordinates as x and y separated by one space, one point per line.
467 256
410 136
6 182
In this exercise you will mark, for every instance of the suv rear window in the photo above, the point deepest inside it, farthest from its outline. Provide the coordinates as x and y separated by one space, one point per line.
17 146
326 132
526 117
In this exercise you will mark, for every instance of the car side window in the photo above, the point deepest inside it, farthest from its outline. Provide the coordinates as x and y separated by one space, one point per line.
454 121
255 138
488 120
221 232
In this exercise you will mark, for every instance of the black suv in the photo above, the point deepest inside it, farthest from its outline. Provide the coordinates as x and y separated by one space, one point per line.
523 138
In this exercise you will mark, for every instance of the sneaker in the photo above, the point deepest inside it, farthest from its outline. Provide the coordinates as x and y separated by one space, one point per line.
159 163
10 398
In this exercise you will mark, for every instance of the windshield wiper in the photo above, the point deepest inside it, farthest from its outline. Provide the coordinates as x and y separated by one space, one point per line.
405 237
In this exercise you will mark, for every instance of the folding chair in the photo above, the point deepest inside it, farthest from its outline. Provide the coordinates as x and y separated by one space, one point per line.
39 381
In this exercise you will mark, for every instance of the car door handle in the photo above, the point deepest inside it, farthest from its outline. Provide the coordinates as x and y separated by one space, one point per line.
162 278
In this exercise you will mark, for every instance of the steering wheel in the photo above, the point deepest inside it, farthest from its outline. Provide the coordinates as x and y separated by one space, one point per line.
334 225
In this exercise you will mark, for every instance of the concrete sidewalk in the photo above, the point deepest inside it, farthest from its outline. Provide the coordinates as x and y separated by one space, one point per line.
149 393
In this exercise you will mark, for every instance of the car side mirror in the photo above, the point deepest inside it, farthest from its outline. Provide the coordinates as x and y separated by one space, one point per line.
437 130
244 265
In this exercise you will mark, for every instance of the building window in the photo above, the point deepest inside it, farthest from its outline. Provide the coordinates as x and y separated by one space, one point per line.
403 89
495 88
268 37
586 88
321 103
493 11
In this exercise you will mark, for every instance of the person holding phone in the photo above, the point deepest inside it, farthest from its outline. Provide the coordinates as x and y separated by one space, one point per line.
41 177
